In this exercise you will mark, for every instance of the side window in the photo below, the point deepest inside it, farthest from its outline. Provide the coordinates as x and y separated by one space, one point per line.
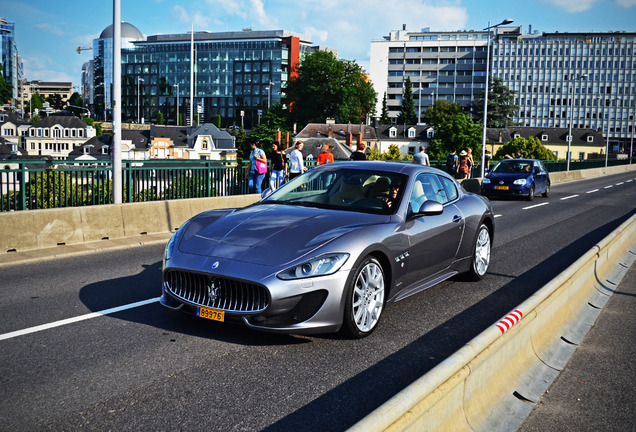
450 188
426 187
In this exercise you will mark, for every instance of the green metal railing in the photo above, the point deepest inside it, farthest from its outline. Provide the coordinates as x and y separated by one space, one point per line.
43 184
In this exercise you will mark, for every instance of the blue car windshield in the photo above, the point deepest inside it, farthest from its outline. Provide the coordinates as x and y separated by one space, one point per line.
513 167
343 189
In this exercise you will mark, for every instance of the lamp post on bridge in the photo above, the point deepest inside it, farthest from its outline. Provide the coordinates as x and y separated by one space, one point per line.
177 86
483 138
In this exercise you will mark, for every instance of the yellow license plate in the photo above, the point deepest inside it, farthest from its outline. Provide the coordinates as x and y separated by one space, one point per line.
213 314
501 187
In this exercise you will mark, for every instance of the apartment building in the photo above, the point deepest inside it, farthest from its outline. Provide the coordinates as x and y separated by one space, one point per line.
588 77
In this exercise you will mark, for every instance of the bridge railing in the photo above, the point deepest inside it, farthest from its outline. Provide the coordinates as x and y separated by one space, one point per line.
42 184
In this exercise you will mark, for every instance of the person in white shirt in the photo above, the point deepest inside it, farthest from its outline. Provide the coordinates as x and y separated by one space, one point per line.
296 163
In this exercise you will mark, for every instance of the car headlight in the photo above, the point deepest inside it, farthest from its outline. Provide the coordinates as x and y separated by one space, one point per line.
486 180
167 254
520 181
319 266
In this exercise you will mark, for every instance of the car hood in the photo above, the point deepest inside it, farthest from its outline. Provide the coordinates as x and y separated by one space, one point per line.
507 177
269 234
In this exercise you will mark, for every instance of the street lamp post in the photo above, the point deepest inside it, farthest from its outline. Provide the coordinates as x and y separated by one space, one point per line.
139 80
483 137
177 86
568 156
269 94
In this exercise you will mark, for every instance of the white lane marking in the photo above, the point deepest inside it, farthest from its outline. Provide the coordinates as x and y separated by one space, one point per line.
77 319
629 181
498 215
592 191
607 187
618 184
536 205
568 197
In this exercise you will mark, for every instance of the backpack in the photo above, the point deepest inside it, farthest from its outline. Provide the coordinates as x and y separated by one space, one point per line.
450 163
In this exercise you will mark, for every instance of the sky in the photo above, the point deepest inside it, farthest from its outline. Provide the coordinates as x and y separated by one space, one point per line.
49 32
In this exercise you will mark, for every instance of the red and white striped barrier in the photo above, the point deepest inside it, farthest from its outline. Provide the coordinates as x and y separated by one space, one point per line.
512 319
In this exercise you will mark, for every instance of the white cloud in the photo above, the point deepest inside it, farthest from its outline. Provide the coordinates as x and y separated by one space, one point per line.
50 28
572 6
626 3
247 10
196 18
44 69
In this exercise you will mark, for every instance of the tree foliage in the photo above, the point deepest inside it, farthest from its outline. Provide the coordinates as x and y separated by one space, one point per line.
528 148
456 132
273 120
5 89
407 114
384 116
441 112
501 107
392 154
330 88
55 101
76 101
160 118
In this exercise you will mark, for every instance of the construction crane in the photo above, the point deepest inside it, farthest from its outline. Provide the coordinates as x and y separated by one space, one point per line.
80 49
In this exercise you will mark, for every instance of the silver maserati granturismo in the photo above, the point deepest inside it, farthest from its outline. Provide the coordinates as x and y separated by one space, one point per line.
329 250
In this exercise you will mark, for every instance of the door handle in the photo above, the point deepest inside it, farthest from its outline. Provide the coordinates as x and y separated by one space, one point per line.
457 218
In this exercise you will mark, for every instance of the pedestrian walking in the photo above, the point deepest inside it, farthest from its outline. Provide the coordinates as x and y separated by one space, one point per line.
296 162
279 167
421 157
258 168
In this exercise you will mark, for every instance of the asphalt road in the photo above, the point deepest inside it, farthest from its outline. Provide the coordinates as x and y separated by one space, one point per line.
147 368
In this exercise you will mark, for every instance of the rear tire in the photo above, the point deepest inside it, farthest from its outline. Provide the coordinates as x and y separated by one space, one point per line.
546 193
481 254
530 196
364 299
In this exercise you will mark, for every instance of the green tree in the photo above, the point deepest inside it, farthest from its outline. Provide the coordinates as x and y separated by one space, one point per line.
529 148
216 120
501 107
5 90
441 112
89 121
330 88
407 114
271 121
36 118
459 132
384 117
76 101
98 128
160 119
55 101
36 101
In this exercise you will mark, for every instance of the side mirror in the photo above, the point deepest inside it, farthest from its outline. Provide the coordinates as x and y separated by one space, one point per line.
430 208
267 192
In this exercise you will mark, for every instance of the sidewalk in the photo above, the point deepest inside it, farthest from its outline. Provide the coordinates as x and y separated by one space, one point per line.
9 258
595 390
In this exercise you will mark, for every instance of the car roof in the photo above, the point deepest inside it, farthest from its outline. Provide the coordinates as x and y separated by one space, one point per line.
396 167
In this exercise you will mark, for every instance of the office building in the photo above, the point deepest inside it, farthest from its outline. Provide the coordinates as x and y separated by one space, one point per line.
590 77
11 62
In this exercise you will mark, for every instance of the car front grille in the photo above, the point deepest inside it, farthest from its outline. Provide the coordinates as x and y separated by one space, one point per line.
226 294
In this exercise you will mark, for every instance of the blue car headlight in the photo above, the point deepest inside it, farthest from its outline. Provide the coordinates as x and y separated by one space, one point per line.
486 180
520 181
319 266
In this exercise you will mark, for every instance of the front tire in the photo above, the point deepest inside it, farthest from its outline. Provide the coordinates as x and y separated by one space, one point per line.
481 254
530 196
364 299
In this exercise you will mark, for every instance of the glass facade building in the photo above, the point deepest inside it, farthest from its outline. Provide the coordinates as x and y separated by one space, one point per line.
11 62
234 72
588 76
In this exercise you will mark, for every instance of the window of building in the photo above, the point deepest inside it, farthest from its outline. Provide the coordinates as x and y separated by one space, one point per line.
392 132
544 137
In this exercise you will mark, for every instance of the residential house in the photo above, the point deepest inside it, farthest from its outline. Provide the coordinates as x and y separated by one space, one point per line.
181 142
13 129
347 134
585 142
408 138
57 136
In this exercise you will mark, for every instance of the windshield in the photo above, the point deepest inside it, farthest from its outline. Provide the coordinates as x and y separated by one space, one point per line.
343 189
513 167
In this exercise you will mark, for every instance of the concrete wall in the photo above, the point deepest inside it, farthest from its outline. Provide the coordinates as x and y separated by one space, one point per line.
38 229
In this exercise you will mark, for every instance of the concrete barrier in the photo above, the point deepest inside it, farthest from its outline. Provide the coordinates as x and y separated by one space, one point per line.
39 229
492 383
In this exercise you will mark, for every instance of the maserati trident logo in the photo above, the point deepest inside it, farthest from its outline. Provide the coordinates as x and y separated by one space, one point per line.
213 291
215 265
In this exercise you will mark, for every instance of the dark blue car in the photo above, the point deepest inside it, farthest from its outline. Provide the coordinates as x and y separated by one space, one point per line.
517 177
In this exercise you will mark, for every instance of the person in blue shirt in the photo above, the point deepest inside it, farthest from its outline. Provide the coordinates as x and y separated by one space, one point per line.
258 168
